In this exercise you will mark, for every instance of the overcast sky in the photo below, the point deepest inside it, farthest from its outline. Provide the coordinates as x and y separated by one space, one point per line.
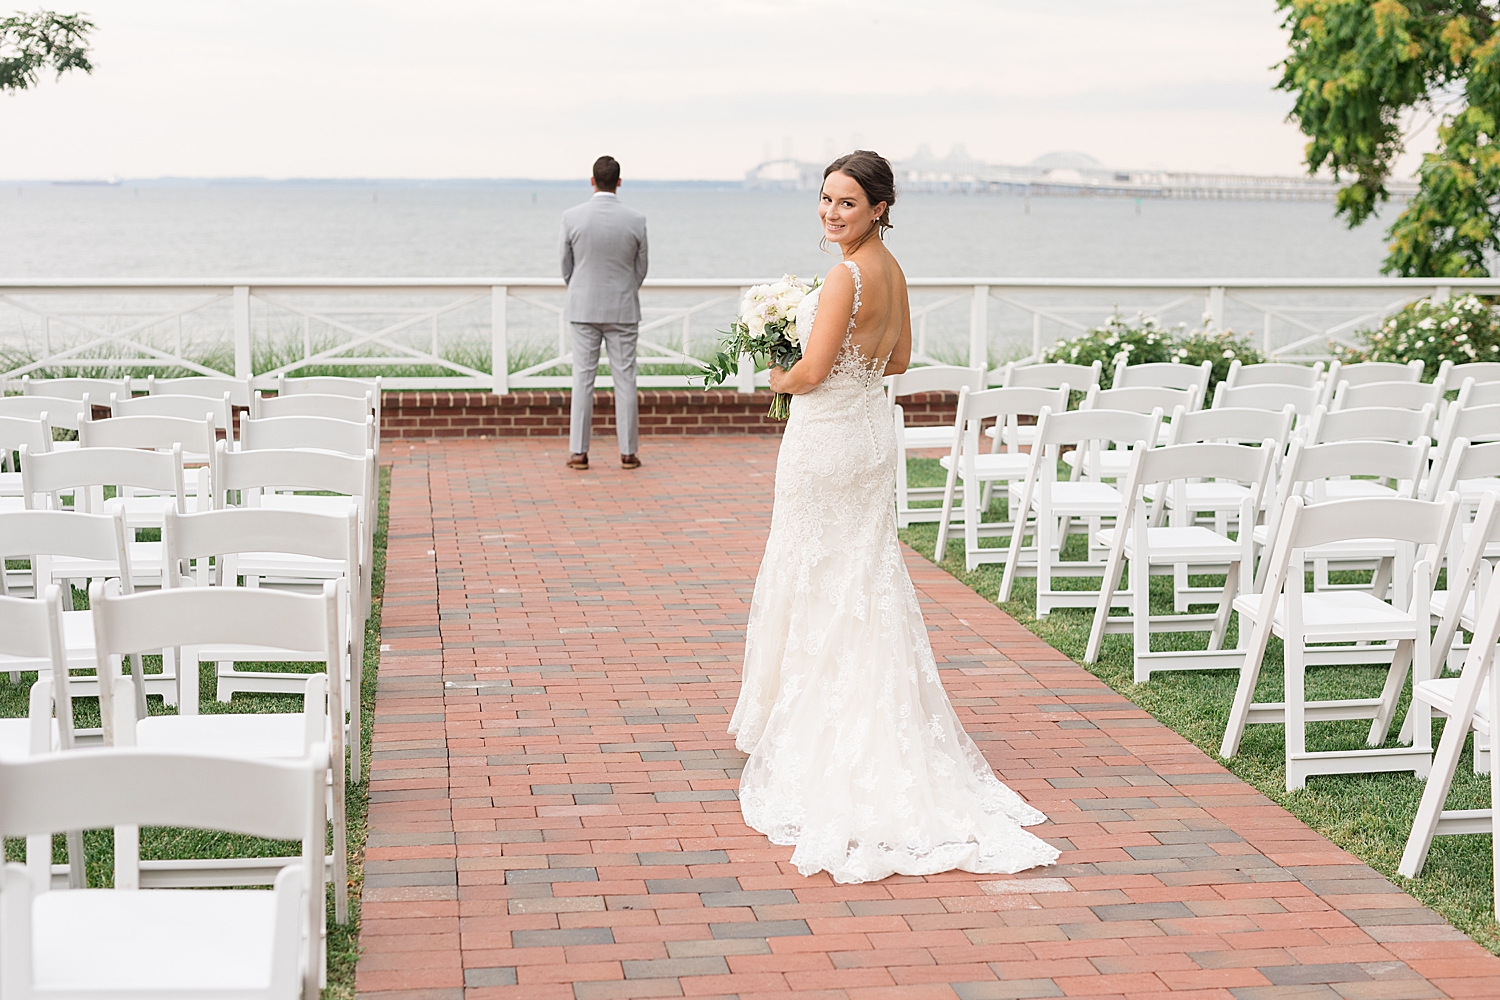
673 88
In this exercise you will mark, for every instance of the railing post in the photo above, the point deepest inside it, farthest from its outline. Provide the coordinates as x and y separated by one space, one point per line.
979 328
1442 293
745 380
1215 308
242 366
499 340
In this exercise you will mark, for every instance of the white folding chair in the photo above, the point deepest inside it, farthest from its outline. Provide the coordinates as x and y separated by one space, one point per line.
1051 375
332 385
1479 371
1054 505
1137 399
285 549
1370 371
1018 374
1405 395
32 632
97 389
1371 423
177 622
1162 374
69 549
182 407
976 469
1473 472
63 414
263 478
207 386
1307 623
1269 373
15 433
1269 396
1472 393
346 437
1472 423
1470 701
86 472
192 440
114 944
1314 472
323 405
1181 545
929 378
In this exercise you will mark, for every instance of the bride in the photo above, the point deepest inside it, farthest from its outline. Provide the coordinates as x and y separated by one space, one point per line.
856 756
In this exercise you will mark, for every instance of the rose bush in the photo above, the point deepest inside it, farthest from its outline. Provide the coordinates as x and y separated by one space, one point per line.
1459 330
1145 341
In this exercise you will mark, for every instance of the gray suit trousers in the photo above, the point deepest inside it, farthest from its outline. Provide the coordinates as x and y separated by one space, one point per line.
619 339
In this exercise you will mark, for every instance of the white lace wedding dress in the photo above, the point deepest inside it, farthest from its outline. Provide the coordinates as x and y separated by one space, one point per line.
856 756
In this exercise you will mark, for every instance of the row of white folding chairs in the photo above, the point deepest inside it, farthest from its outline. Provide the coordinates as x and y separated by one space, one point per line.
213 386
268 776
228 538
346 482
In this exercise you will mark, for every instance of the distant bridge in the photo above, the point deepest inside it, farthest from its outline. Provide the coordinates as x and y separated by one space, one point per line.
1065 174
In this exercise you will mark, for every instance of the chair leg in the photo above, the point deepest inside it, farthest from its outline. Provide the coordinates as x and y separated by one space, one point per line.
1295 686
1440 780
947 516
1226 604
1390 694
1107 588
1140 626
1244 694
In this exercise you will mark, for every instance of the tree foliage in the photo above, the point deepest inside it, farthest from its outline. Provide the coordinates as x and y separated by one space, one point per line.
1365 73
31 43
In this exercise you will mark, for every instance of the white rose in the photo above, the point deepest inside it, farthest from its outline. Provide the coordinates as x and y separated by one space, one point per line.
791 331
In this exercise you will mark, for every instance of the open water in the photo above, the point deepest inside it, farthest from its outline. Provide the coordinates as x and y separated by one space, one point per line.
349 229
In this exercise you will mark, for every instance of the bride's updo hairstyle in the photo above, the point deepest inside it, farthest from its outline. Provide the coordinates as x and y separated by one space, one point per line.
872 172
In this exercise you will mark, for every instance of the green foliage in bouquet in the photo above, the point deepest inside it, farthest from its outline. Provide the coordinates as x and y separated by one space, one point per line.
1459 330
765 329
1145 341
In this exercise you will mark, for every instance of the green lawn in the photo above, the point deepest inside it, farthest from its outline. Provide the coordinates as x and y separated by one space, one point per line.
1367 815
343 942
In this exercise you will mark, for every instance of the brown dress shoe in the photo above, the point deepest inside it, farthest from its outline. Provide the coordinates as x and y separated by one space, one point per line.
579 461
630 461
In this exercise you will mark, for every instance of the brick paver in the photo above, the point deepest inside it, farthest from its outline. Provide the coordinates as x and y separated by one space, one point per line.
553 804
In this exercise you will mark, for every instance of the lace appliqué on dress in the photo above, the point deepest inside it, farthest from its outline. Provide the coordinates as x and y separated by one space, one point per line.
856 755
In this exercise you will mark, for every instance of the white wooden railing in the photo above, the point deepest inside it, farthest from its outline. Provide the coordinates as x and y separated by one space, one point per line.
506 334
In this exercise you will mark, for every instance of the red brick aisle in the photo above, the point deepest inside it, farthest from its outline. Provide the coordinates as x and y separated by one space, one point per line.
553 802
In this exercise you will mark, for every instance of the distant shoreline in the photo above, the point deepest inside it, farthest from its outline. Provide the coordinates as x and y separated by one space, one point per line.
369 182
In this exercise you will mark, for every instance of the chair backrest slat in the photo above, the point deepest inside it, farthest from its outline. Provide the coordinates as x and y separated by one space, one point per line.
346 437
1162 375
1049 376
1268 396
209 386
64 413
1274 373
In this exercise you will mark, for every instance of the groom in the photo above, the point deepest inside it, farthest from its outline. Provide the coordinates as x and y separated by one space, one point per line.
603 264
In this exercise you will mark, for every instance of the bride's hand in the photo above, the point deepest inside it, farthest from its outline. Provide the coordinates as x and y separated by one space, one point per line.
778 376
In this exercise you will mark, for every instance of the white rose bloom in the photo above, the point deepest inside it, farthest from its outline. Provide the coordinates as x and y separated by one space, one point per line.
791 331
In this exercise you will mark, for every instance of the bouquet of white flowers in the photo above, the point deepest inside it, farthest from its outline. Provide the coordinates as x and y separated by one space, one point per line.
765 329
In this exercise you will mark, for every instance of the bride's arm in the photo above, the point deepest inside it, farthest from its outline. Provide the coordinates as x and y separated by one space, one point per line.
820 346
901 354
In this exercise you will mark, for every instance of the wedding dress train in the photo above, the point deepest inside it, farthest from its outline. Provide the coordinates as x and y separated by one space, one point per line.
856 755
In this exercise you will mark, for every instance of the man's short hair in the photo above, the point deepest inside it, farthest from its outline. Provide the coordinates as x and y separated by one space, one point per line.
606 173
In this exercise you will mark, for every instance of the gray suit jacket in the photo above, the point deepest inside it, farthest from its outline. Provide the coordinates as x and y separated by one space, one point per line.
603 261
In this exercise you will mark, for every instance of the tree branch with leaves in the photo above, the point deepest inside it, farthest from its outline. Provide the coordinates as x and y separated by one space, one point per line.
44 40
1363 73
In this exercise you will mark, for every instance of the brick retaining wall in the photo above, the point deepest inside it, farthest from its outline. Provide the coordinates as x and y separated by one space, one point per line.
663 412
